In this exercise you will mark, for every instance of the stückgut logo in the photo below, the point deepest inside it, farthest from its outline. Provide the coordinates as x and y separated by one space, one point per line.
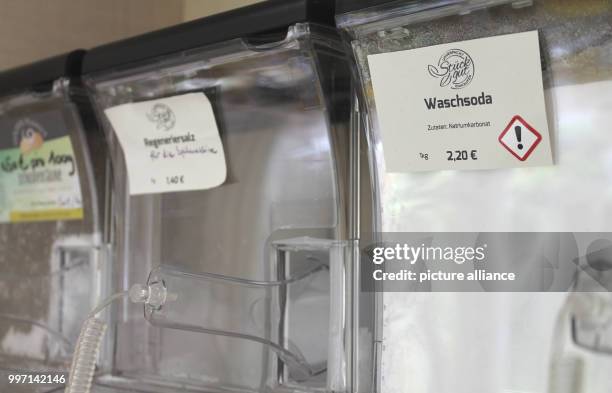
455 69
28 135
163 117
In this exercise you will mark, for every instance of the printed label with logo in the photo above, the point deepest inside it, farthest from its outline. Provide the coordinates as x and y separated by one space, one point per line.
170 144
39 179
475 104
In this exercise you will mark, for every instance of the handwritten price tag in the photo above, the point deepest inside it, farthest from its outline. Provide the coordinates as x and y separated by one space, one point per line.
171 144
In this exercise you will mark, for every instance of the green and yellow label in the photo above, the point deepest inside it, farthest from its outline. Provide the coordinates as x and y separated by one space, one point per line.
38 171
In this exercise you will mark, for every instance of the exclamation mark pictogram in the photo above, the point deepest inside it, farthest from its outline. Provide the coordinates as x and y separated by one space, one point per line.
517 131
522 142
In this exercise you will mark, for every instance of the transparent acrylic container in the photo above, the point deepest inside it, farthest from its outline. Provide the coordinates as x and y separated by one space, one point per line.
581 352
50 270
512 334
239 320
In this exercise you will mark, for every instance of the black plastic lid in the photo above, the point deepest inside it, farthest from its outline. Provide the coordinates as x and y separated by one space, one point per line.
243 22
344 6
41 74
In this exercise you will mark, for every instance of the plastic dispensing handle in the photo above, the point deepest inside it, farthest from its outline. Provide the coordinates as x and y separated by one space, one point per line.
186 301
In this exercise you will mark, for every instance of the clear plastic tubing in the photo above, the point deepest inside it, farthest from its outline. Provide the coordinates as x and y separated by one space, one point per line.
178 300
195 302
85 356
88 347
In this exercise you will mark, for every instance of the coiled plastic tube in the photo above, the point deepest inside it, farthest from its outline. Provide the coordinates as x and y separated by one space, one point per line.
85 356
88 347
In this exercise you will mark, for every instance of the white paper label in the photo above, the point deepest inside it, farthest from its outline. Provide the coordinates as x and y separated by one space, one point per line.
475 104
171 144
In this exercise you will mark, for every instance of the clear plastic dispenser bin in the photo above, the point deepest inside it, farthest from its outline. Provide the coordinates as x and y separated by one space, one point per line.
50 217
582 340
253 273
494 342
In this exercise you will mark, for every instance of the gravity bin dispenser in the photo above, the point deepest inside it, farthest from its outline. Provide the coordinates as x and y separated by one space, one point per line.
233 168
522 337
50 216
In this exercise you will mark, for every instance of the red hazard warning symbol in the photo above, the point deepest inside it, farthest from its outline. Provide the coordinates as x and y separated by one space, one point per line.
520 138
